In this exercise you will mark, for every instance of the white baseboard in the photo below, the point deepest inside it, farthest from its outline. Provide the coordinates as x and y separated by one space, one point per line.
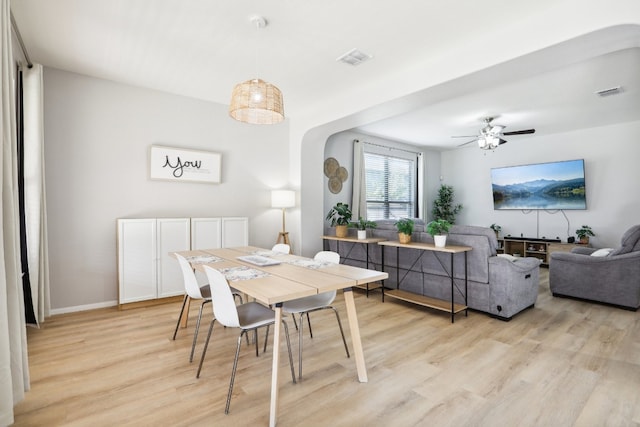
86 307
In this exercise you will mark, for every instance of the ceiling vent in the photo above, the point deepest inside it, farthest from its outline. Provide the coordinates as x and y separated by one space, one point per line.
611 91
354 57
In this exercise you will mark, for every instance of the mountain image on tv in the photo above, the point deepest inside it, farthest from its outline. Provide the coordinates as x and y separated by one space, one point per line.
551 186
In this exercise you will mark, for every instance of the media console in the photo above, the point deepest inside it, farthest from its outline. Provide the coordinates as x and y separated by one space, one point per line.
540 248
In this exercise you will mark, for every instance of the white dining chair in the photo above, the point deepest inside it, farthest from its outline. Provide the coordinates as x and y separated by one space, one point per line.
248 317
281 248
194 291
306 305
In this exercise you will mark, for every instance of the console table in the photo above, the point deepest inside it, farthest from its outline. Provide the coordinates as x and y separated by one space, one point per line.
437 304
366 242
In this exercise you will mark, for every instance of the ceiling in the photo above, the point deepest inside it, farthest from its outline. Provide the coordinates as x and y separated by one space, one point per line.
201 48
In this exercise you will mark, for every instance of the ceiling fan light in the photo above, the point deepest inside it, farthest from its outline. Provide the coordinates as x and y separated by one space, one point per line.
482 143
258 102
496 129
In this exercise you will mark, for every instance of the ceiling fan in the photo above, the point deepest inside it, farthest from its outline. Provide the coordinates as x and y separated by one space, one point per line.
490 136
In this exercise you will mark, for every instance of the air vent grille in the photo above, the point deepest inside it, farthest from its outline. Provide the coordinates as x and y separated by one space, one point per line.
354 57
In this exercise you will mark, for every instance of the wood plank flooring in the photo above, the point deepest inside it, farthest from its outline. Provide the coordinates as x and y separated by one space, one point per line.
562 363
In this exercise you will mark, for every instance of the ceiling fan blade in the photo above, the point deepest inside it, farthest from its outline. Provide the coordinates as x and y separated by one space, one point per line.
502 141
468 142
520 132
464 136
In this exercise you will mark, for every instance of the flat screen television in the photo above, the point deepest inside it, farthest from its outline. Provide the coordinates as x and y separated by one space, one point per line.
547 186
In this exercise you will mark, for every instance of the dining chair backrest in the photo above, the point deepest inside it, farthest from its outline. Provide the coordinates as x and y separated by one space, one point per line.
281 248
191 285
224 307
328 256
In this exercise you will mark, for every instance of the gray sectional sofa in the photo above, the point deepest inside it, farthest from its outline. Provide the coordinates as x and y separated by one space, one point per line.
611 279
496 285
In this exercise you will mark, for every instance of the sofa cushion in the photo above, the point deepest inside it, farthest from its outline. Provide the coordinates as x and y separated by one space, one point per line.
630 241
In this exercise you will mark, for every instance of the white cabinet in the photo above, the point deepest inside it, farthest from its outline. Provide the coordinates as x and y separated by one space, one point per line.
206 233
146 269
235 232
172 236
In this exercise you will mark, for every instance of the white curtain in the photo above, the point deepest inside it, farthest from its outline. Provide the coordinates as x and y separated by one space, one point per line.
359 199
34 190
14 368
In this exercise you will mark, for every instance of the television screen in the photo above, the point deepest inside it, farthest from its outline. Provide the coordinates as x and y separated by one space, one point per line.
551 186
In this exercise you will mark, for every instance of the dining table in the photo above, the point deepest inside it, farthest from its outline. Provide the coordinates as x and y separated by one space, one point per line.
274 278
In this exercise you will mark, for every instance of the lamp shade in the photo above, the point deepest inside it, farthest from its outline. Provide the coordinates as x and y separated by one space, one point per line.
283 198
258 102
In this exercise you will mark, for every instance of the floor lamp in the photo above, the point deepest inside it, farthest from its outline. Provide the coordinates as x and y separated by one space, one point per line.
283 199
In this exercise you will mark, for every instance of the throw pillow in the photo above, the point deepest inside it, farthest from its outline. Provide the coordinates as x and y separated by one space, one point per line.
509 257
602 252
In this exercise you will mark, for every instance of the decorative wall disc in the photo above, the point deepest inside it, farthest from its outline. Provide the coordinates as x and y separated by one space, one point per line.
337 174
335 185
331 165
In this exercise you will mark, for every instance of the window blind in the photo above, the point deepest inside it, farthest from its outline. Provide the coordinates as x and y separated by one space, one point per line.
390 186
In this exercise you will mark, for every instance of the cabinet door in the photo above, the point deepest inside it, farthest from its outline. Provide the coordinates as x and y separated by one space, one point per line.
136 260
235 232
172 236
206 233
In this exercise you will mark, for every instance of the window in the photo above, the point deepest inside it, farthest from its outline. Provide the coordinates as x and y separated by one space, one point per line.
391 184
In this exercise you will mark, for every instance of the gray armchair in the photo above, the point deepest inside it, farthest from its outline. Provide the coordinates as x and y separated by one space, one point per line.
612 279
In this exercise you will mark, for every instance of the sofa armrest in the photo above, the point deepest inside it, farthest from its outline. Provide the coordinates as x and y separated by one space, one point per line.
583 250
513 285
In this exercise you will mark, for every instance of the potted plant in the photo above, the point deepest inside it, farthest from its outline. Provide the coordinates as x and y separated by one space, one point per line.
443 205
362 225
405 229
340 216
496 228
438 229
583 234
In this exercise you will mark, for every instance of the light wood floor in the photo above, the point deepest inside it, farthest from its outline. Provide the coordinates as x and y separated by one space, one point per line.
562 363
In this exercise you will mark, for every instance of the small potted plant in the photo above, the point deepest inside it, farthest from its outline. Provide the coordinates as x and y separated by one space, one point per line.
438 229
340 216
362 225
497 229
583 234
405 229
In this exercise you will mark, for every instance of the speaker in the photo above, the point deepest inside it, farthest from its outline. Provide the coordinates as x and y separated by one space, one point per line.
571 239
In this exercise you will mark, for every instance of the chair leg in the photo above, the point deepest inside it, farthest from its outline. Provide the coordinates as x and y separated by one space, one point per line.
255 338
195 334
286 334
233 372
309 323
341 331
266 339
184 303
300 347
206 344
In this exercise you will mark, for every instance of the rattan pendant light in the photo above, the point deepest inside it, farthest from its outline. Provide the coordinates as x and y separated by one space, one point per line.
256 101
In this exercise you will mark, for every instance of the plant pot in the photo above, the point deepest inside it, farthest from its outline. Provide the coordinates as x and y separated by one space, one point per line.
362 234
404 238
342 231
584 240
440 240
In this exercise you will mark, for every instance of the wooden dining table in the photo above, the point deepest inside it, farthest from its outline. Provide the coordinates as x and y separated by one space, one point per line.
293 277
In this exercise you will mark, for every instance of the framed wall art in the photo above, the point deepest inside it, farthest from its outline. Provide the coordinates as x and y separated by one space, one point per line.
180 164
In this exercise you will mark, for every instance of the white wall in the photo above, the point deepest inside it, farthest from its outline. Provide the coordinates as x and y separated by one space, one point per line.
97 138
612 173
